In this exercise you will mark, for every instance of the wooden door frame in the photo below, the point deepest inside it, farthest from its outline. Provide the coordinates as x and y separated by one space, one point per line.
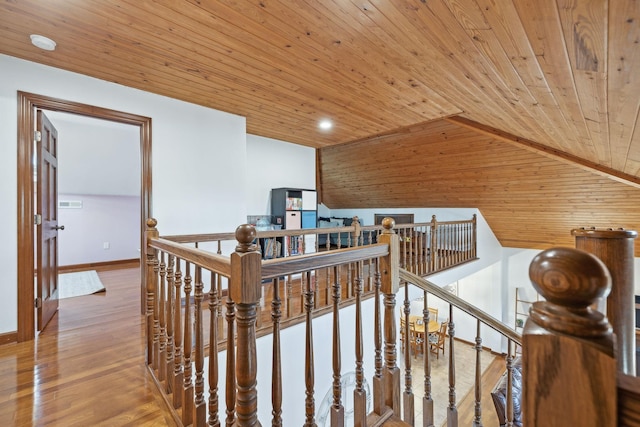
27 104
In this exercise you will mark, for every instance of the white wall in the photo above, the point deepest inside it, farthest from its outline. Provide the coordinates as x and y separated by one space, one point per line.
114 220
276 164
200 172
97 156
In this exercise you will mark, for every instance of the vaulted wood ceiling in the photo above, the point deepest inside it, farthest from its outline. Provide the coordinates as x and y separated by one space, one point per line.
557 75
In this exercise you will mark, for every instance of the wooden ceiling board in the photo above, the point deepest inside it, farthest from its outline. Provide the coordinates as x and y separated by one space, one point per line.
528 200
555 81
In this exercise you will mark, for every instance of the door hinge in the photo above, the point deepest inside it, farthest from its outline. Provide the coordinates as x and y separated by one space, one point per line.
37 136
37 219
38 302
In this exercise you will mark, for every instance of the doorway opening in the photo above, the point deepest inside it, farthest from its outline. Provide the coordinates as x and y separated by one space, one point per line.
27 105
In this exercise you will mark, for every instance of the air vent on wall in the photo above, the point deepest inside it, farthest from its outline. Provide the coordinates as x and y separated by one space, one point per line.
70 204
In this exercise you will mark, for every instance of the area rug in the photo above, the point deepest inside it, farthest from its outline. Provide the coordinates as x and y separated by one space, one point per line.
79 283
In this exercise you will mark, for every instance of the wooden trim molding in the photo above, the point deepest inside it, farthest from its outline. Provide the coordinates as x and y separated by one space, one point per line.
27 105
101 266
8 338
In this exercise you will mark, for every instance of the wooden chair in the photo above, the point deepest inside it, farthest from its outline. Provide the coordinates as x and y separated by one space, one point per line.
402 328
436 341
416 340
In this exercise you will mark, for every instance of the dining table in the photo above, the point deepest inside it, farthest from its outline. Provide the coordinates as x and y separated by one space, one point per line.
418 321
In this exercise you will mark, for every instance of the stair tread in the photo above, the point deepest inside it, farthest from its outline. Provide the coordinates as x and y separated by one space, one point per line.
395 422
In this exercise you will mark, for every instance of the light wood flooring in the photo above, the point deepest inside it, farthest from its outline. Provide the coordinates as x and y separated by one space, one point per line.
87 368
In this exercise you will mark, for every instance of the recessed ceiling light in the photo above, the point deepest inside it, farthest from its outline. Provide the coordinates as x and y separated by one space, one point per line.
42 42
325 124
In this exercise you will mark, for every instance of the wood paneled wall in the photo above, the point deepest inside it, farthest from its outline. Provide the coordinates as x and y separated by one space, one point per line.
529 200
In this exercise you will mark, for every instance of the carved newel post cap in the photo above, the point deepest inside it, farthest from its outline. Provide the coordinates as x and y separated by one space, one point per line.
245 235
570 280
604 233
152 222
388 224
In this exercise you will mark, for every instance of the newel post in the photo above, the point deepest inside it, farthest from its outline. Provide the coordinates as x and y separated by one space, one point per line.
615 250
355 234
150 257
568 361
390 278
245 292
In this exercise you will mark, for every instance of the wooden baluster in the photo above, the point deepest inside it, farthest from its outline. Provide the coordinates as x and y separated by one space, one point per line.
246 291
177 328
434 244
214 303
475 236
389 270
615 249
151 285
448 240
170 325
509 395
230 383
427 400
378 386
456 246
200 406
316 290
156 312
567 345
450 244
162 353
219 292
466 242
309 362
357 232
477 419
452 410
327 286
407 395
289 287
359 394
276 367
350 281
422 248
187 383
337 409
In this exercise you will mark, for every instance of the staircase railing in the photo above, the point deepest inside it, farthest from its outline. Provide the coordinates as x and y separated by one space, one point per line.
176 331
429 291
179 335
189 373
425 248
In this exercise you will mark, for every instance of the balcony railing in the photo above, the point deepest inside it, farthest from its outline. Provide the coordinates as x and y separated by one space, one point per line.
203 312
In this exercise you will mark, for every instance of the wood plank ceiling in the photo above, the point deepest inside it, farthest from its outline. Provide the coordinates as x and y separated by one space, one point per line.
555 74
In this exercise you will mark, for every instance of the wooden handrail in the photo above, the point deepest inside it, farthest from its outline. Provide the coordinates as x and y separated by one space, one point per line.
199 257
461 304
291 265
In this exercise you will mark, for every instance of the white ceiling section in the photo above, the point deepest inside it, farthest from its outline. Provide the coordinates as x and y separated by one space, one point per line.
96 156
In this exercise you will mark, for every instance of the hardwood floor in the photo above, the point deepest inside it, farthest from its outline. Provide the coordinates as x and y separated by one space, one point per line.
87 367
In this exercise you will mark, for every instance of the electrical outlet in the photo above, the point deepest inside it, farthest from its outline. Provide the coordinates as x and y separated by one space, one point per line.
105 245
